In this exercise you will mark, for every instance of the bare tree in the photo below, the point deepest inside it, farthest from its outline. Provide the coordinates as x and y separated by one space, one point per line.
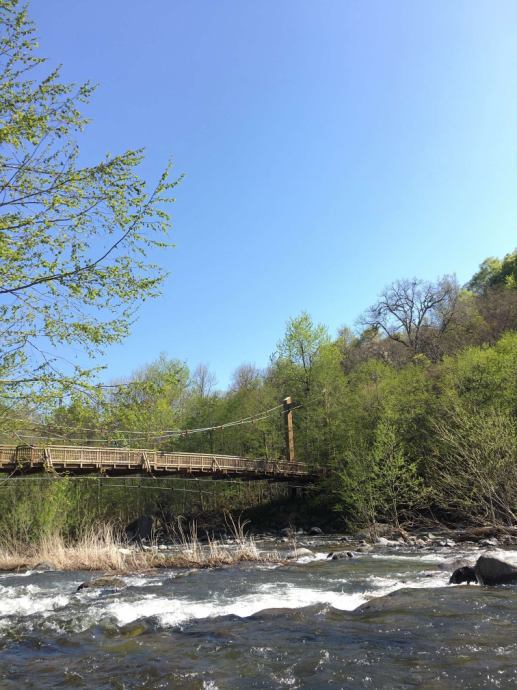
415 313
246 377
203 381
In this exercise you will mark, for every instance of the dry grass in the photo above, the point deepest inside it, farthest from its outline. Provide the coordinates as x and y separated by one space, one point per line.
102 549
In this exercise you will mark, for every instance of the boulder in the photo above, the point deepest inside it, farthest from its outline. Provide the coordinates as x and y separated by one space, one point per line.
103 583
287 532
492 571
314 531
298 553
382 541
339 555
487 571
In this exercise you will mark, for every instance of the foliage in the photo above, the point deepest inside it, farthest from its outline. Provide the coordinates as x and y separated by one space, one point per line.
74 238
401 438
475 469
495 273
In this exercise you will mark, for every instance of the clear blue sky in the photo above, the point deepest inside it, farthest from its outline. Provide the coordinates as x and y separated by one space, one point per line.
329 147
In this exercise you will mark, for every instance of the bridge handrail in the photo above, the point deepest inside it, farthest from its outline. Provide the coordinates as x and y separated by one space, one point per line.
133 458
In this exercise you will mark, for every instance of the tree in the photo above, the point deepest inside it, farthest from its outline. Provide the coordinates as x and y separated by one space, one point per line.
246 377
415 313
74 239
474 472
203 381
494 273
298 351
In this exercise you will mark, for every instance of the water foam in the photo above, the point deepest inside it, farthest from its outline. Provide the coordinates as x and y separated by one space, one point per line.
173 612
28 600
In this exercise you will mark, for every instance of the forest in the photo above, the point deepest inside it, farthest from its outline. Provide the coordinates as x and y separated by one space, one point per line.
409 415
412 415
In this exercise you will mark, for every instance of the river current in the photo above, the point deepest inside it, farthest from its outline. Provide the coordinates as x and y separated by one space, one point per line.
385 619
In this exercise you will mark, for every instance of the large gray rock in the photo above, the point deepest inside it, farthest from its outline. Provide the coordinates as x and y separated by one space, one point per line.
339 555
102 583
487 571
299 553
492 571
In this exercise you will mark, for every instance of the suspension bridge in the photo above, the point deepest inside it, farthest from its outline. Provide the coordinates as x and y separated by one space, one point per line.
127 461
115 461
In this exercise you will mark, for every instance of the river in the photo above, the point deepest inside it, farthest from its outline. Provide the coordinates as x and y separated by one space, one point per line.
385 619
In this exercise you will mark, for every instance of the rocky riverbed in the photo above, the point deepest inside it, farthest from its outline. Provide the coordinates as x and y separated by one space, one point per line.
385 617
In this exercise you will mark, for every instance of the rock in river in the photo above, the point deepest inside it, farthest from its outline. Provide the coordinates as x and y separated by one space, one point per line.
103 583
298 553
487 571
338 555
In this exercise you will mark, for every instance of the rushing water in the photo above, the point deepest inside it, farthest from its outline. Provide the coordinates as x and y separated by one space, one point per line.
381 620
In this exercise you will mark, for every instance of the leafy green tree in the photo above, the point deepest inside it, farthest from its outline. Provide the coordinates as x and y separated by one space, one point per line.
152 402
74 238
298 351
397 488
474 471
295 372
482 377
495 272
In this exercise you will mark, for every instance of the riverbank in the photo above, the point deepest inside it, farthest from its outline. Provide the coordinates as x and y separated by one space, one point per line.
102 549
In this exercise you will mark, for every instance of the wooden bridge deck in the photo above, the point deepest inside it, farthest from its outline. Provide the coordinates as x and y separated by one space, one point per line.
17 460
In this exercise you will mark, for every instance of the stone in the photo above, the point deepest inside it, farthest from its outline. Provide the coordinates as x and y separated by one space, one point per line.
366 548
287 532
298 553
339 555
487 571
492 571
103 583
314 531
44 566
